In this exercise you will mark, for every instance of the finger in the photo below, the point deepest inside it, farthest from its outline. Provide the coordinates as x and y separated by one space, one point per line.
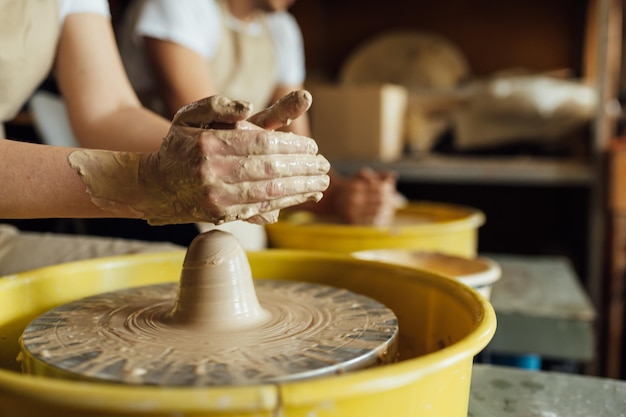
265 218
262 212
212 110
263 192
366 173
281 113
270 207
256 142
233 170
399 200
388 176
367 190
375 217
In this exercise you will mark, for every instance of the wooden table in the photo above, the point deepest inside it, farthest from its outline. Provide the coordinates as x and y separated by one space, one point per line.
542 309
498 391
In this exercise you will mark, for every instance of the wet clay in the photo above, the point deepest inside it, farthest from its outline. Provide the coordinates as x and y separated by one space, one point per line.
216 292
217 327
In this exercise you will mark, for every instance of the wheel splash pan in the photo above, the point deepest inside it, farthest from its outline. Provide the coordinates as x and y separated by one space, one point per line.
443 325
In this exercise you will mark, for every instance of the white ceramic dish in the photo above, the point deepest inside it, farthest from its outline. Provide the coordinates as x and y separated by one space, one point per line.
479 273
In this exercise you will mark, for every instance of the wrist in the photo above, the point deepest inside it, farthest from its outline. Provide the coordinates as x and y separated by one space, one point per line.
111 179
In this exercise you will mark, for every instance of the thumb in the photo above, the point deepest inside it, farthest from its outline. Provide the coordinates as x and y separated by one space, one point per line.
281 113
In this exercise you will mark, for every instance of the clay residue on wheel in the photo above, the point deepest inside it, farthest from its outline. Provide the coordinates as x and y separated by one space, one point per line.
217 327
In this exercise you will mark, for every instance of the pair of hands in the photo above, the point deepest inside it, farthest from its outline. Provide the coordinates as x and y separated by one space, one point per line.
218 163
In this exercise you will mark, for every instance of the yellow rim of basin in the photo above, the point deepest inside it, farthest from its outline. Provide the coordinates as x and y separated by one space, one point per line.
443 218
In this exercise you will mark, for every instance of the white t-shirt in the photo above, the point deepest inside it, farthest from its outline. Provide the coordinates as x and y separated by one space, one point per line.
67 7
196 24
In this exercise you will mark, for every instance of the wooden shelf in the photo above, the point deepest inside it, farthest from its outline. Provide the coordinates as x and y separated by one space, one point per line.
514 170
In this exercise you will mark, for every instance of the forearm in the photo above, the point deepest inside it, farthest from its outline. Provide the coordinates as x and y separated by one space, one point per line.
104 111
132 129
38 182
182 75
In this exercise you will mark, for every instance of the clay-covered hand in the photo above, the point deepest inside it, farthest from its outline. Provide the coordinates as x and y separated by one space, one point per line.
278 115
367 198
213 166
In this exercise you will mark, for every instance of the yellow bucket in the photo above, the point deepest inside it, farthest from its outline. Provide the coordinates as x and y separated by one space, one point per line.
421 225
443 325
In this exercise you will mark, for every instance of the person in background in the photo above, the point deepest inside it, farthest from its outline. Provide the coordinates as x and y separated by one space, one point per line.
176 52
152 169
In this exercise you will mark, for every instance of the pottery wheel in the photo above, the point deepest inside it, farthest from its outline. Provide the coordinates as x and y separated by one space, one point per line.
211 329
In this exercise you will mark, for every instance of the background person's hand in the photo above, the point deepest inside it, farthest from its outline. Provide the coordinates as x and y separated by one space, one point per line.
367 198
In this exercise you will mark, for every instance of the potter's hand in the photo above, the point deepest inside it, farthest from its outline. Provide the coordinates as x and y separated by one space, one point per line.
278 115
367 198
208 175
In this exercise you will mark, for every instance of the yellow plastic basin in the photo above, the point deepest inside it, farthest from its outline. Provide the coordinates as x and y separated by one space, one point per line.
443 325
422 225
